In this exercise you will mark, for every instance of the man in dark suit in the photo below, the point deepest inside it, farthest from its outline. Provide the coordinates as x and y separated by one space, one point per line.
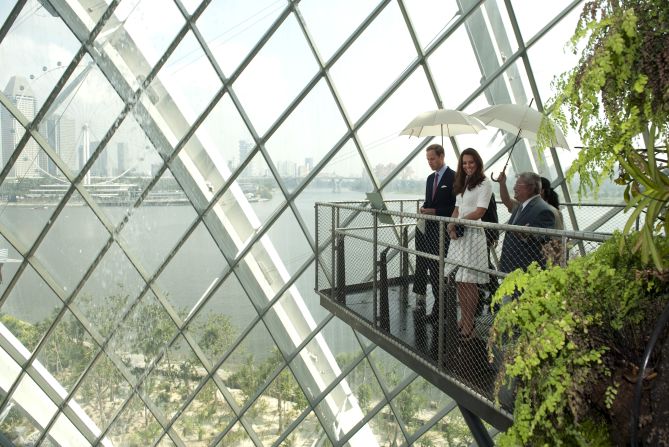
439 201
521 249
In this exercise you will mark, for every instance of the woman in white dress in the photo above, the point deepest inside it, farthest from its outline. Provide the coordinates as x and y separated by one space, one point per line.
473 191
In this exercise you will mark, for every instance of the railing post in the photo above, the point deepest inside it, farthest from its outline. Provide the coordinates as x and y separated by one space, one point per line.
440 353
404 268
384 308
375 241
333 242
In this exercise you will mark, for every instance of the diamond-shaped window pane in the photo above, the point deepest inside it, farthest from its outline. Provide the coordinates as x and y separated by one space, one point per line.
279 71
231 28
204 417
153 230
76 235
201 261
222 319
388 43
311 130
136 425
113 285
30 308
102 391
38 68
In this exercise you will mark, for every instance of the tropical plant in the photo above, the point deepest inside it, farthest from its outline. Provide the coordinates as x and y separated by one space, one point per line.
617 98
573 340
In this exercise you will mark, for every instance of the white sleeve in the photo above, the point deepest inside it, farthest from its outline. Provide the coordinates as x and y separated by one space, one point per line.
485 191
458 200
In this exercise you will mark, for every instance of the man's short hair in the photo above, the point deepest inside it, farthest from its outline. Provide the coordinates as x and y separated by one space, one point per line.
533 180
437 148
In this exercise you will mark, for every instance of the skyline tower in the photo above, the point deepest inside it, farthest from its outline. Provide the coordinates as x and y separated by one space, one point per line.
27 164
60 133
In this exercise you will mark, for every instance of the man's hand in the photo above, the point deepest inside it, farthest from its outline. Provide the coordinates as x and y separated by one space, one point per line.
432 211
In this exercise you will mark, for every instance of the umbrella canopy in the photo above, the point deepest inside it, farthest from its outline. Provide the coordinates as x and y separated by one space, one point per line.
442 122
521 120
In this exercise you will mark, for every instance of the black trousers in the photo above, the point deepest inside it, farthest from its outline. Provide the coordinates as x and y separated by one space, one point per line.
428 242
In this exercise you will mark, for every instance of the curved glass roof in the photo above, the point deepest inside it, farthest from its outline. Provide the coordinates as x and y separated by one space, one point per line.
160 164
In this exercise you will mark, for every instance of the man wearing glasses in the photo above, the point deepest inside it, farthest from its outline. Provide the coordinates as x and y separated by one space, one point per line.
521 249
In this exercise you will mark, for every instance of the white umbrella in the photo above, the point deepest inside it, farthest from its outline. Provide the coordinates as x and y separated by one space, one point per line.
442 122
521 120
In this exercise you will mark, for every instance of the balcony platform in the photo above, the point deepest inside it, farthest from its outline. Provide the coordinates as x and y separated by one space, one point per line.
465 374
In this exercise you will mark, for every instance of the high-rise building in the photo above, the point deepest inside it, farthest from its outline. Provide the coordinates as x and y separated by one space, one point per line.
60 133
18 91
122 158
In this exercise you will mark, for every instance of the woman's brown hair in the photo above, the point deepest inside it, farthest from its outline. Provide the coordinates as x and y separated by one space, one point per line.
461 181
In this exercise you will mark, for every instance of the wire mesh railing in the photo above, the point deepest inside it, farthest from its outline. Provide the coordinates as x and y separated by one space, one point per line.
428 290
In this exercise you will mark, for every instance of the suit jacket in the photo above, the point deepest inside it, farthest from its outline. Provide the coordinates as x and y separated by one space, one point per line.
444 199
444 204
520 249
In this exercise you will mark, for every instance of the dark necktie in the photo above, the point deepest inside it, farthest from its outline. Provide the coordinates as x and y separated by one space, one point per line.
436 183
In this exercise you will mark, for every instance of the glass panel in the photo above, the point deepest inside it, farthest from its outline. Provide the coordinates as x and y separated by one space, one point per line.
340 342
330 24
311 130
153 229
550 56
30 397
166 441
249 365
268 270
295 250
10 369
63 432
189 80
222 319
455 85
290 321
81 116
343 179
77 236
280 403
102 392
237 436
40 56
143 335
113 285
430 18
199 260
384 428
126 164
279 71
219 146
451 430
174 378
390 370
204 417
387 41
260 188
309 428
532 16
354 397
136 425
151 33
30 308
68 351
305 287
10 260
419 408
232 28
19 427
379 136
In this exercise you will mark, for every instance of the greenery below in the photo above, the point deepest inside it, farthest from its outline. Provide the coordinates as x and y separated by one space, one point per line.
573 338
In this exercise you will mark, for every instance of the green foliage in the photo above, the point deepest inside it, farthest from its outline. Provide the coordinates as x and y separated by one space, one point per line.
617 97
568 331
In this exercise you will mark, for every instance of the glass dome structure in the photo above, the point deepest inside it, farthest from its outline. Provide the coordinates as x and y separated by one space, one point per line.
160 164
